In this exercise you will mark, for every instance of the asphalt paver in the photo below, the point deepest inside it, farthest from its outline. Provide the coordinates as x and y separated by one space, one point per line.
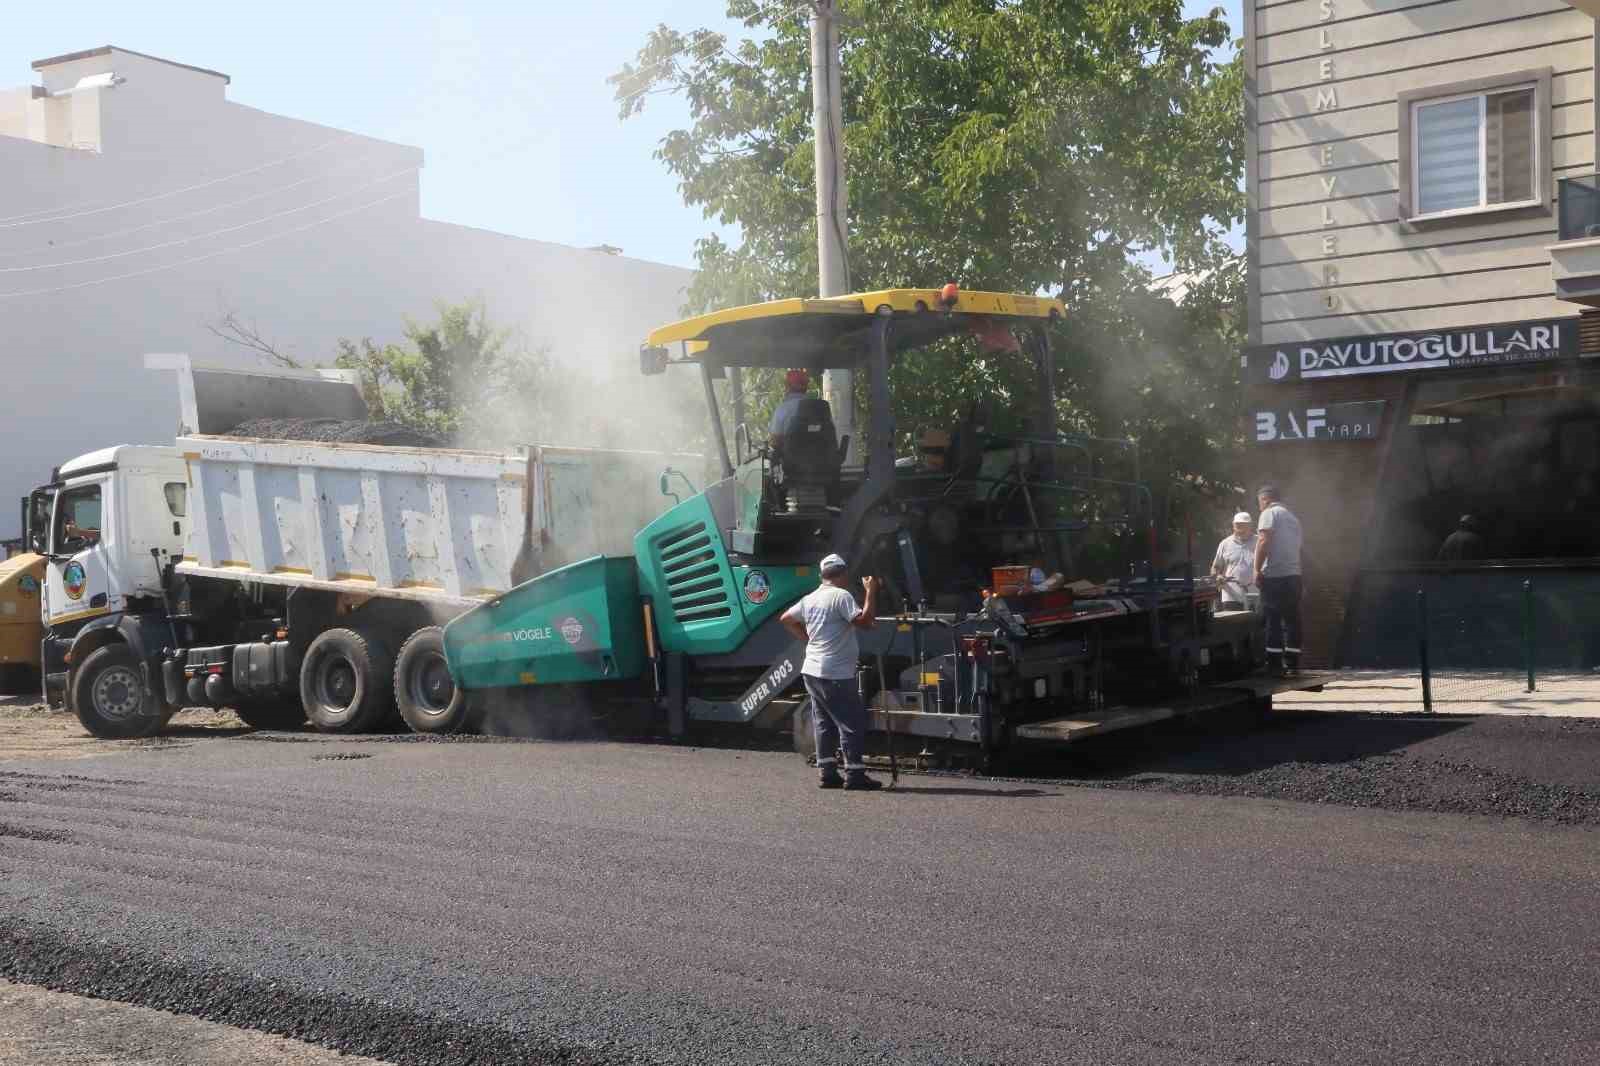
600 903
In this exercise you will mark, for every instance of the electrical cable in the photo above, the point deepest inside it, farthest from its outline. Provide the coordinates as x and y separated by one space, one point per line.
211 255
207 236
32 219
56 246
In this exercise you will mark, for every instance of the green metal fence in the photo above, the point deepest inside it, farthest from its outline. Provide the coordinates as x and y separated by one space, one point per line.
1482 650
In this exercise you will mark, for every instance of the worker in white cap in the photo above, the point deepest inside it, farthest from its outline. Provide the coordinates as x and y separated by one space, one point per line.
827 620
1235 564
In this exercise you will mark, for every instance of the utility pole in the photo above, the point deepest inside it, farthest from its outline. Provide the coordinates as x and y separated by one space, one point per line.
827 129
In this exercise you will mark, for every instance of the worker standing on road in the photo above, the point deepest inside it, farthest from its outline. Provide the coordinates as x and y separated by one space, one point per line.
1235 563
1277 573
827 620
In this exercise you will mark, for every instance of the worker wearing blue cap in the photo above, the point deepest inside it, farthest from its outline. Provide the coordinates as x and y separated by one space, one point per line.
827 620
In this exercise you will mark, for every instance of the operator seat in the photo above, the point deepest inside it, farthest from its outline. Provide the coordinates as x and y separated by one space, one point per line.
810 457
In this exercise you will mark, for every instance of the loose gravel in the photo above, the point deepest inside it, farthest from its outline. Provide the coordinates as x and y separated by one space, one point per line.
338 431
353 1027
39 1027
1536 769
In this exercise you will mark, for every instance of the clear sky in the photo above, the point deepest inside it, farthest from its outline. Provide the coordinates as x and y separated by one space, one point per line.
507 99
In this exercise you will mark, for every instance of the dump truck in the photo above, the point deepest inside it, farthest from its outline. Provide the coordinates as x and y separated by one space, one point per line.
297 579
971 648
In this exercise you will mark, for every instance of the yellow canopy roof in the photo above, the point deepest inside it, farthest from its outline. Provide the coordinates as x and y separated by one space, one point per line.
828 332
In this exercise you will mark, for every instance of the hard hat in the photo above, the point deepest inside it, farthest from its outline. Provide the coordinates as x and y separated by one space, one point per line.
797 380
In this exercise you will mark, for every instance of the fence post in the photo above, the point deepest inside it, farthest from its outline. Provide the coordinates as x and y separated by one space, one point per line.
1422 651
1527 629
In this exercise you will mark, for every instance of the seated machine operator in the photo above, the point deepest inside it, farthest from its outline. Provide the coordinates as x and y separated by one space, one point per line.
796 383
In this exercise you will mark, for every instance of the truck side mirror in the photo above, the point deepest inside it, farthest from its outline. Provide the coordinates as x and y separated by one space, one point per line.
652 361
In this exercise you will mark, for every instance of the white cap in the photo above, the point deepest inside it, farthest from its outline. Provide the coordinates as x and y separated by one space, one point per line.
1243 516
832 562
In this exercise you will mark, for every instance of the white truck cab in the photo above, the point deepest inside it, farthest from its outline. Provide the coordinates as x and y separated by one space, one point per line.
117 519
119 515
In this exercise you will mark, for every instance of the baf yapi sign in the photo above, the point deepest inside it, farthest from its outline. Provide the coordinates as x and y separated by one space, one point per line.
1330 421
1481 346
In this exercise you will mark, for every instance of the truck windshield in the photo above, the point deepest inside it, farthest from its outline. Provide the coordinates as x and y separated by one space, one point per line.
77 519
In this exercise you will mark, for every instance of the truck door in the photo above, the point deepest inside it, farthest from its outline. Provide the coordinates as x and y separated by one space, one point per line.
78 581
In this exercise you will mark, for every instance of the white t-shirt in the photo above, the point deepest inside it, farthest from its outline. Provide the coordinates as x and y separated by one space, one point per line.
832 651
1237 560
1283 550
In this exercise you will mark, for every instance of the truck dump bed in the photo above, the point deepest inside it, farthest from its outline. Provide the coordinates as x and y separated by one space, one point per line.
434 524
407 522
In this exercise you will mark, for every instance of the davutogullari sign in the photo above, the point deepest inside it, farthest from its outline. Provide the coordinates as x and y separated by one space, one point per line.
1330 422
1480 346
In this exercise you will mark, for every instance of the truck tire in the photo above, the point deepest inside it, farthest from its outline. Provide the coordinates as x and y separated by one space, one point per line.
279 714
346 681
111 699
423 688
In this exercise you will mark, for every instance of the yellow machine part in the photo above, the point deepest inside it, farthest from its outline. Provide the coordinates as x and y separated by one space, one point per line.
21 578
863 305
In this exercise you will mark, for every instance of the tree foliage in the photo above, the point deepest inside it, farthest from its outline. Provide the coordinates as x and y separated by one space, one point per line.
453 376
1022 145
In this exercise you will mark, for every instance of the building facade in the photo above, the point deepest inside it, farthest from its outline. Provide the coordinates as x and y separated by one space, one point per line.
1421 203
139 207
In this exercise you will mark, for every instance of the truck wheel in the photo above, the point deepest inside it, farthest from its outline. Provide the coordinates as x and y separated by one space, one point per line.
345 682
426 693
277 714
110 697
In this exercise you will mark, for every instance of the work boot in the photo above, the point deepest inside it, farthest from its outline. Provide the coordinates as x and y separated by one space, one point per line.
1291 664
858 781
1274 664
830 778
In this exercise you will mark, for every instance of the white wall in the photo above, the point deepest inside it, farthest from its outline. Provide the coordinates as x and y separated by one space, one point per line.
72 342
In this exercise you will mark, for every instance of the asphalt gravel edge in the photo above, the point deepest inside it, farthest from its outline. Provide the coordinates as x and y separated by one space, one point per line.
103 970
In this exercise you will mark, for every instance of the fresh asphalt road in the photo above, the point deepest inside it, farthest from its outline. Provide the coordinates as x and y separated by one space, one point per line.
542 902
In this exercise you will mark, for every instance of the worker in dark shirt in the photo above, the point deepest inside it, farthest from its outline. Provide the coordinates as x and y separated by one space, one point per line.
1463 544
796 386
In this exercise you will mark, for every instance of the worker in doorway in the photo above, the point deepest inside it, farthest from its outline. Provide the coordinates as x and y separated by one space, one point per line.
1234 565
796 384
1277 574
1465 543
827 620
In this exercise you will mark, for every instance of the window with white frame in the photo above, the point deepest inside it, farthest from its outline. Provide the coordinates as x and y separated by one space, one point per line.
1475 151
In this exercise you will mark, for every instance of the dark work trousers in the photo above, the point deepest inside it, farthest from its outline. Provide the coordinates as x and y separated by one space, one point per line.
840 720
1280 600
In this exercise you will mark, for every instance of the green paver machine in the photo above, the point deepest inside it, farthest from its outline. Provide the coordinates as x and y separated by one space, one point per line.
994 626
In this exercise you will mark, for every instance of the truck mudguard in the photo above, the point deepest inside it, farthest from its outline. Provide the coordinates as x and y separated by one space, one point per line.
146 634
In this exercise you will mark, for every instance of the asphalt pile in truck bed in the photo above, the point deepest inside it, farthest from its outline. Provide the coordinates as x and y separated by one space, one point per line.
338 431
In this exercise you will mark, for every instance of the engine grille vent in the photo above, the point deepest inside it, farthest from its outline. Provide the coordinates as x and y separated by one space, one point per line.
695 586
